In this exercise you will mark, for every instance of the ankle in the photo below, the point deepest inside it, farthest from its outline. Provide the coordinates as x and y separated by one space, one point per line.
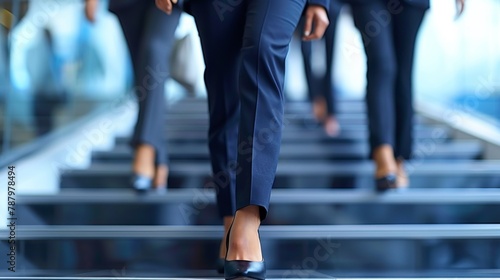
331 126
319 109
384 160
143 163
161 175
244 241
249 216
401 168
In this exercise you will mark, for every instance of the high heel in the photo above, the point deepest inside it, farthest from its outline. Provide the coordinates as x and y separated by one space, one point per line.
140 183
386 183
243 270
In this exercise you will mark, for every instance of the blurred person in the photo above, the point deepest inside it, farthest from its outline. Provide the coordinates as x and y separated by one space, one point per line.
321 90
245 44
389 30
47 84
149 34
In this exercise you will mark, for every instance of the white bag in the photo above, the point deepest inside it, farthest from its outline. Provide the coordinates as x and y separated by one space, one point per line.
183 64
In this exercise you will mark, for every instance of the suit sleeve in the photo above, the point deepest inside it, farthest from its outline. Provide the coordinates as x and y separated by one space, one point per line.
323 3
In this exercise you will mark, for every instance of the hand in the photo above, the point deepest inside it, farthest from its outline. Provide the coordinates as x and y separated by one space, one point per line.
316 17
166 5
91 9
460 7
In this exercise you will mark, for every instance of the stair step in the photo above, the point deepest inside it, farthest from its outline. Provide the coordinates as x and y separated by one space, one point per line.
301 118
428 231
293 127
454 168
300 175
200 105
157 271
339 151
278 196
348 134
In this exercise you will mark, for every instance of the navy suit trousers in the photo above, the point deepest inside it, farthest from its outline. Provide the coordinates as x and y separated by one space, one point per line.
389 35
149 33
323 86
245 44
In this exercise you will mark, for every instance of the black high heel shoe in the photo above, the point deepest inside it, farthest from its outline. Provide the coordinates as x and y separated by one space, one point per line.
243 270
385 183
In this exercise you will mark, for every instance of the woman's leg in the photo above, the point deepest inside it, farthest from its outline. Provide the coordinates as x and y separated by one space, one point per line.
132 18
406 26
153 70
331 124
263 38
313 89
221 34
306 49
268 29
381 74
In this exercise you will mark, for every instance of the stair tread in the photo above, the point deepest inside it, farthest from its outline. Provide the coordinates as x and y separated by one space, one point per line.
311 168
278 196
338 151
205 232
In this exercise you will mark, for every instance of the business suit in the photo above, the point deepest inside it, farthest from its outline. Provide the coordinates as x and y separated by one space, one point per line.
245 44
322 86
150 36
389 30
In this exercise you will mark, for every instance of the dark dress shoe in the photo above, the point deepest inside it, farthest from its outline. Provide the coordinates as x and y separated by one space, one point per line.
385 183
244 270
140 183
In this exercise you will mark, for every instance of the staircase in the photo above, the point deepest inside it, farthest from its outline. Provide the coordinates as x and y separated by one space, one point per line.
325 219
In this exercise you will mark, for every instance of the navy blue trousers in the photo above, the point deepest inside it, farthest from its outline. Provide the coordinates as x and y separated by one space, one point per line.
322 86
389 34
245 44
149 33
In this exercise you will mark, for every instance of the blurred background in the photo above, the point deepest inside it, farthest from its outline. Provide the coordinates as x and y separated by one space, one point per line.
66 107
457 61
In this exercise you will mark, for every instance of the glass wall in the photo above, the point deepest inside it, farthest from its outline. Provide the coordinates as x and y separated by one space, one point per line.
56 67
458 61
